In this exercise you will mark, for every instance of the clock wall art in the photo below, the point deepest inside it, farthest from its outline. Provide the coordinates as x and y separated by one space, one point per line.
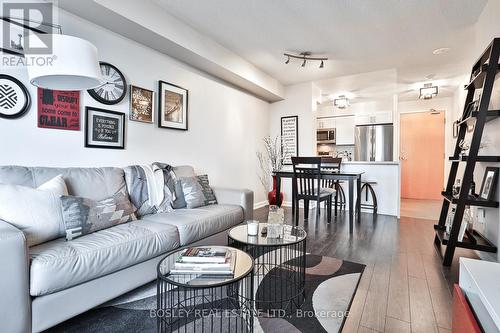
15 99
115 88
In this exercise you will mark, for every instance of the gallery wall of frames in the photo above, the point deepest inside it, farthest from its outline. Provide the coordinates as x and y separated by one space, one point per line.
103 128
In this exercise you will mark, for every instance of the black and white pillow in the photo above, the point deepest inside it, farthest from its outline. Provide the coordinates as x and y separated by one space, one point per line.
197 191
83 216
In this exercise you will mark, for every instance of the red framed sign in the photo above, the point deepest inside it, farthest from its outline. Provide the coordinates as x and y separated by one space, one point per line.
59 109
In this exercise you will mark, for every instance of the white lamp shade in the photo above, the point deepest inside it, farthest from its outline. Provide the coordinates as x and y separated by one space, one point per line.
74 65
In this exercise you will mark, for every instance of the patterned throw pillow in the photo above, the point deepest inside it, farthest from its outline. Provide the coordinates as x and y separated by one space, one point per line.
197 191
83 216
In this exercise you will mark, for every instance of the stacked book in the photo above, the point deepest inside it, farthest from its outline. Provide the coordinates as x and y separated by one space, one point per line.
206 261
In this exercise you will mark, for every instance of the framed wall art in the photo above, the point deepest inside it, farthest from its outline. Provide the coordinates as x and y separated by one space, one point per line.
15 99
172 106
290 138
141 104
59 109
489 185
104 128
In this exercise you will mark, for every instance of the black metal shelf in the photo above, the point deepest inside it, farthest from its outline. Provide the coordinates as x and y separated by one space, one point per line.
483 76
492 114
477 81
470 201
473 241
481 158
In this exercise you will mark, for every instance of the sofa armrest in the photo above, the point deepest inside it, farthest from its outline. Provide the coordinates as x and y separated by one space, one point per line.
242 197
15 303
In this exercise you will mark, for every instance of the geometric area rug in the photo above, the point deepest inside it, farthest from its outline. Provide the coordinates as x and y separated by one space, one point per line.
330 288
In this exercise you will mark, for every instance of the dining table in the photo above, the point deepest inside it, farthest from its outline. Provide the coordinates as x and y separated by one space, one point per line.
353 179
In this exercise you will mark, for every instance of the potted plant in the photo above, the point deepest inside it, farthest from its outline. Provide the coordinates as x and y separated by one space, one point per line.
271 161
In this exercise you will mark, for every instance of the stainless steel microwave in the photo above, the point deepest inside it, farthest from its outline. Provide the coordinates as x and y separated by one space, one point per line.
325 135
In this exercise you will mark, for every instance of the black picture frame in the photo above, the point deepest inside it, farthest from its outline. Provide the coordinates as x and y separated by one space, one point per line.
25 108
288 160
88 143
489 183
185 125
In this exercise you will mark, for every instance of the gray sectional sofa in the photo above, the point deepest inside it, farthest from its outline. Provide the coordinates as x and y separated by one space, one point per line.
51 282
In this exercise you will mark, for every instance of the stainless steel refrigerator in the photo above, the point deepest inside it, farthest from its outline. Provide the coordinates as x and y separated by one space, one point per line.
374 142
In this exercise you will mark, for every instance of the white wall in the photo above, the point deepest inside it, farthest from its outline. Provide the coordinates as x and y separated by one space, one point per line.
225 125
300 100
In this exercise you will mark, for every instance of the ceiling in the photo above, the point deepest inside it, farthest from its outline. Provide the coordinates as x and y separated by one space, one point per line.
357 36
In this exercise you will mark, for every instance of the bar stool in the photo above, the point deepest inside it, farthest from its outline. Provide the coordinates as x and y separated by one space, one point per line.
367 187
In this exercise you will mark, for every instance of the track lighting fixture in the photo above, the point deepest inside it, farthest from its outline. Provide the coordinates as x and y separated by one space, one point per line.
305 57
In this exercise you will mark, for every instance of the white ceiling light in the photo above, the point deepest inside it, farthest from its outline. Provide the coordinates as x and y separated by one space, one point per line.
428 91
72 65
341 102
441 50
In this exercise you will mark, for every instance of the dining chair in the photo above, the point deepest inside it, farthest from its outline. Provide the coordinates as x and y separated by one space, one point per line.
332 164
307 178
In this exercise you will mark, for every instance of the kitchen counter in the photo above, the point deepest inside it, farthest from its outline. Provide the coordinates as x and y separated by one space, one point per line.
387 176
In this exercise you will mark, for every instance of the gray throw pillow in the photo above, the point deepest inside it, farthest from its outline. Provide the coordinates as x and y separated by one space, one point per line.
179 201
197 191
83 216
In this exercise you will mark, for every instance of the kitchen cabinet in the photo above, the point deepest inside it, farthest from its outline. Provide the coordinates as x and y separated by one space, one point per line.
331 111
344 127
326 123
384 117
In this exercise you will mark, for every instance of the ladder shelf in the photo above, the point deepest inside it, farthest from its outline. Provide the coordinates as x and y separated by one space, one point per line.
482 77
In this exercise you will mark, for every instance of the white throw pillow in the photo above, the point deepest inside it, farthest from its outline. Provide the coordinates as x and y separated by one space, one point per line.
36 212
56 185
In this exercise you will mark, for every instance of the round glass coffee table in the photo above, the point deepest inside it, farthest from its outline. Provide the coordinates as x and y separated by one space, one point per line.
205 303
280 267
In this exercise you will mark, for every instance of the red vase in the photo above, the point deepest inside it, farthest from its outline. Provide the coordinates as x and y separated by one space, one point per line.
271 196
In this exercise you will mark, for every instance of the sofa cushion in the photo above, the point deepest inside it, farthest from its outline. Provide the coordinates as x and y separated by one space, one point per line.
59 264
92 183
84 216
36 212
198 223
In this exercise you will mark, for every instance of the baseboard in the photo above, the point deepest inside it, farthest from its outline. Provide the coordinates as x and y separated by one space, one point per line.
260 204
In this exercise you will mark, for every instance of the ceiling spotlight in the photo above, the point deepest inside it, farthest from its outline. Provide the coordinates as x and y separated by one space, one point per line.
305 57
341 102
428 91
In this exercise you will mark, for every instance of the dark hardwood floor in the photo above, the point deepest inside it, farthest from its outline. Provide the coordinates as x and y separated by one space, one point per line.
404 287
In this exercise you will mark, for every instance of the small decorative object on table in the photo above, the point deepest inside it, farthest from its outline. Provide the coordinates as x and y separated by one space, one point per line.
252 228
275 222
270 162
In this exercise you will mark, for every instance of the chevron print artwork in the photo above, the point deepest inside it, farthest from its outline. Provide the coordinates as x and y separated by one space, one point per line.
8 97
